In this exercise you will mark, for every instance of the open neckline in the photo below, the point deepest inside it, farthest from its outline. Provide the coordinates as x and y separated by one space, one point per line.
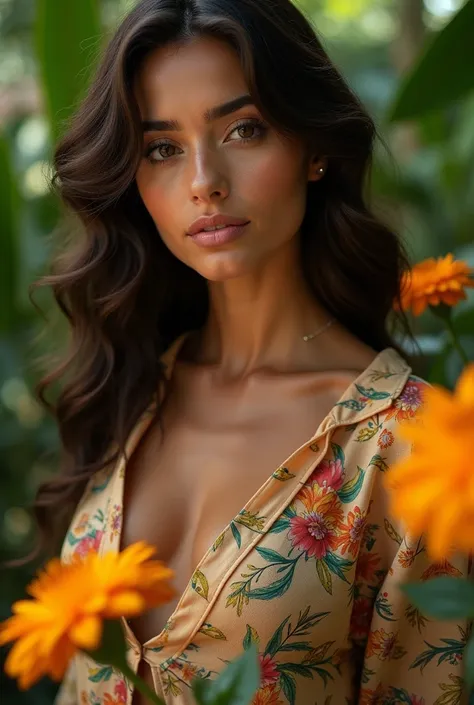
328 423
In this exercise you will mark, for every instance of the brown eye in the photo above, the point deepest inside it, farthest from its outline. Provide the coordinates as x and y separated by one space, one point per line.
164 150
246 131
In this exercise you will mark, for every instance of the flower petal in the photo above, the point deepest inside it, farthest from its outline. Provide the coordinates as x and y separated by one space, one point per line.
86 634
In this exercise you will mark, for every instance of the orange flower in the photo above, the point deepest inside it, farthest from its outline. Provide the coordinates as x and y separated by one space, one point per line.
433 487
69 606
435 281
352 532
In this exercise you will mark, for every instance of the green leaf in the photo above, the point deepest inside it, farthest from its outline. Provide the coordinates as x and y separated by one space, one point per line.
236 684
443 598
68 37
444 72
112 650
200 687
468 659
9 238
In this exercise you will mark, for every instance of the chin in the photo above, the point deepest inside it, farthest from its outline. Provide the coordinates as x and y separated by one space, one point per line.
222 266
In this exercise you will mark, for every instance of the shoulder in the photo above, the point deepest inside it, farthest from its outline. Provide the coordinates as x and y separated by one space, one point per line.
372 436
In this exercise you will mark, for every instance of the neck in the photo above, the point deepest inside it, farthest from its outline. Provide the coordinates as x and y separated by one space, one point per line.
259 321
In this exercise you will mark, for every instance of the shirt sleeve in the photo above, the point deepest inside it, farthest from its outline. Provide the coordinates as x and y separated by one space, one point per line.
67 693
402 657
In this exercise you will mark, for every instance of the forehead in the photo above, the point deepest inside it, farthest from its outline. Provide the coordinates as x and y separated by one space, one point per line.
188 77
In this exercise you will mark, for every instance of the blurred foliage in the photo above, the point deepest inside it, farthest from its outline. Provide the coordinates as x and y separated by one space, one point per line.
426 188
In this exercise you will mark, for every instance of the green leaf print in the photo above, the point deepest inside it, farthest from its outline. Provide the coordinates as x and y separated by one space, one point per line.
251 637
279 526
236 534
213 632
97 675
275 642
288 685
351 488
392 532
283 474
324 575
199 584
338 565
384 609
379 463
219 541
352 404
276 589
273 556
372 393
338 453
451 649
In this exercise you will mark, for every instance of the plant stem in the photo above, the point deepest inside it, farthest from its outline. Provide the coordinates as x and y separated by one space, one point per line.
140 684
455 340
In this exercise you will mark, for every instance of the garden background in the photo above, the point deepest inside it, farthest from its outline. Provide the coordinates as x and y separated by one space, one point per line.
411 62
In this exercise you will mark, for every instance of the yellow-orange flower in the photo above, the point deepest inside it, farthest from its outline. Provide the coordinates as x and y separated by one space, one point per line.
433 488
69 606
435 281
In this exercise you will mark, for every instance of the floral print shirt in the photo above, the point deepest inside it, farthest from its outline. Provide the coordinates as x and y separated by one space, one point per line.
308 571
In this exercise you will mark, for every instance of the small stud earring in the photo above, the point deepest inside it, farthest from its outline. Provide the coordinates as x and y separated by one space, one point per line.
321 170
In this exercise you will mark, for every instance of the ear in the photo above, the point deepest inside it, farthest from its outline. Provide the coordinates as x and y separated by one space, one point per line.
317 168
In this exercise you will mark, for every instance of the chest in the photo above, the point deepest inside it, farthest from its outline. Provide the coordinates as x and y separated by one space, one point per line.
190 476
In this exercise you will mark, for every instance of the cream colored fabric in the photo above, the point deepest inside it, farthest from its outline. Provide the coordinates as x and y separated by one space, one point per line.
309 570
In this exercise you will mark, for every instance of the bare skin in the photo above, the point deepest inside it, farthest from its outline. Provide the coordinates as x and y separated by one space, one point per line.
247 391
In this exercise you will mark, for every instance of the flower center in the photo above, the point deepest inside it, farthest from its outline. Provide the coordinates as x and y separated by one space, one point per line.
316 527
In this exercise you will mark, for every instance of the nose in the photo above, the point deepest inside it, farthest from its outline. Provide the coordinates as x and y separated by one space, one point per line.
208 181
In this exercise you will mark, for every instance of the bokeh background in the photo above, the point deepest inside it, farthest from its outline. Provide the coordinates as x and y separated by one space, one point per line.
411 62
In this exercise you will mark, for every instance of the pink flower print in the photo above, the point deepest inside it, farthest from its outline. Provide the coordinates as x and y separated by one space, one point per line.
329 473
120 691
89 543
312 534
268 670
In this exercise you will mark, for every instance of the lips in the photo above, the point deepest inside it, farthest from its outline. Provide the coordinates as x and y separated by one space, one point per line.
213 221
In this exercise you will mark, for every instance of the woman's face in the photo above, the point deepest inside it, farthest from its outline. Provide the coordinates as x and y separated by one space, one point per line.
207 162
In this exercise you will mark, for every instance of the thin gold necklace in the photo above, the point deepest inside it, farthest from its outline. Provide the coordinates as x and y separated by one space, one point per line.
309 337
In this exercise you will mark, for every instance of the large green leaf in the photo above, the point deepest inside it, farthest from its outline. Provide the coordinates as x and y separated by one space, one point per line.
443 598
444 71
68 38
9 238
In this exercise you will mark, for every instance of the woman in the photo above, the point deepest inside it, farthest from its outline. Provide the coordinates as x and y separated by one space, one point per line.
232 394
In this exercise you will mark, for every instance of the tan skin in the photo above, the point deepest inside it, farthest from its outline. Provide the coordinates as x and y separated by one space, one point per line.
246 390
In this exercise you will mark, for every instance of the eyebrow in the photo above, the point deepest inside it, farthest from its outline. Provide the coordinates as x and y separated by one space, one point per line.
219 111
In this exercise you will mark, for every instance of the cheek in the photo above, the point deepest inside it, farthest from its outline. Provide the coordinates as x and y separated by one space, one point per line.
278 177
278 190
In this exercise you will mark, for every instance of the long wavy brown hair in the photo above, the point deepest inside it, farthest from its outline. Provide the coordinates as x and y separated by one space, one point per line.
125 296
